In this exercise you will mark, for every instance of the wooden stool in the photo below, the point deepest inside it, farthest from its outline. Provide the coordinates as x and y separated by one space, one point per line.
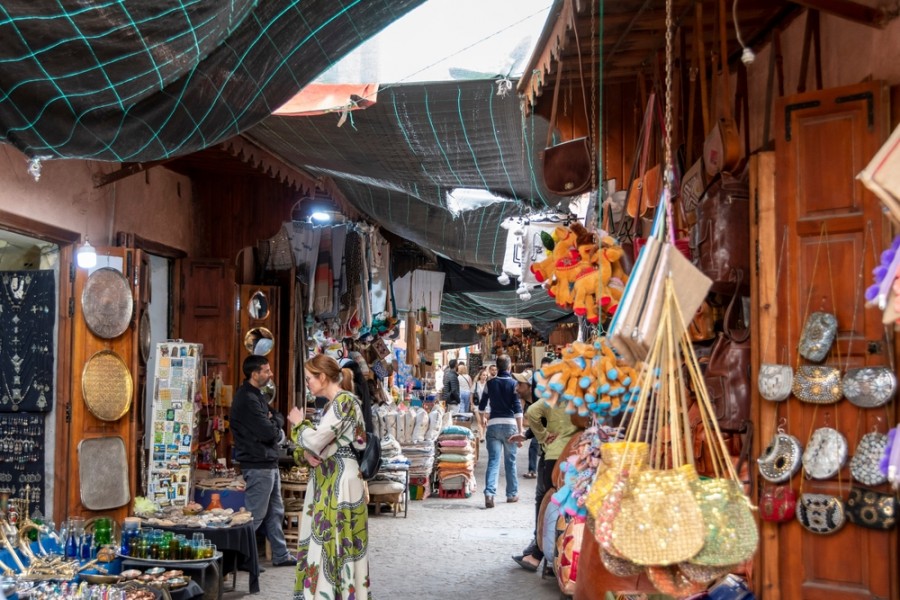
293 495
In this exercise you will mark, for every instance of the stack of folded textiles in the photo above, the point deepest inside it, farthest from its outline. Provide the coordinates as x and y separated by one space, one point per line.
456 462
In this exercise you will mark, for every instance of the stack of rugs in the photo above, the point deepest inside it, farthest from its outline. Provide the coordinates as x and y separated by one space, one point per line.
456 462
389 483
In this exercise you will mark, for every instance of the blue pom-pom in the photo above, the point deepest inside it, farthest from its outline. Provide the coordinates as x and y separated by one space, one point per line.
612 374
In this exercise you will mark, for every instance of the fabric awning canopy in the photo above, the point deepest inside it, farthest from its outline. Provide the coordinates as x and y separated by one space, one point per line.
398 161
146 81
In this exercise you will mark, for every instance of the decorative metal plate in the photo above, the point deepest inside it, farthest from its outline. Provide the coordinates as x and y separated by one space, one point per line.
144 336
103 473
107 386
107 303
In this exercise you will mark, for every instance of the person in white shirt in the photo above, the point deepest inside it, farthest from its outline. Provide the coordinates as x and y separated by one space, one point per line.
466 386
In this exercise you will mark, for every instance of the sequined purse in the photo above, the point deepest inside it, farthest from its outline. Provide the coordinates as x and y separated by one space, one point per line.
871 509
731 534
619 567
774 381
817 384
825 453
778 504
818 334
864 466
611 454
781 459
869 387
659 521
820 513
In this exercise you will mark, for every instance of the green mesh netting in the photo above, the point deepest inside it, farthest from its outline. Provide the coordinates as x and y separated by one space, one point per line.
397 161
142 81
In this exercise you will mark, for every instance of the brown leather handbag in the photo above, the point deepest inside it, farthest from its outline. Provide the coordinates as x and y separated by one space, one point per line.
568 167
727 376
721 236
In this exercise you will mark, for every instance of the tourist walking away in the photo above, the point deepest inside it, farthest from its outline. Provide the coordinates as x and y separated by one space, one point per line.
450 390
258 433
332 553
505 421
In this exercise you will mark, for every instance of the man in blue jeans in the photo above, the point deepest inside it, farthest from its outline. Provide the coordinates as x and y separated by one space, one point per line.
257 434
505 421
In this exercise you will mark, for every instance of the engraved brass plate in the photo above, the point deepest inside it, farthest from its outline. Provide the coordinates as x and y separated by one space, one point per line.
107 303
144 337
107 386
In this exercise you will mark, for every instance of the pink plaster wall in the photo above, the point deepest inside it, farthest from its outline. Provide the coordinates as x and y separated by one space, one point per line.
157 205
851 53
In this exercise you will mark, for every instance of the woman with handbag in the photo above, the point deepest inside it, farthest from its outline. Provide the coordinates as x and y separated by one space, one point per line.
477 391
332 552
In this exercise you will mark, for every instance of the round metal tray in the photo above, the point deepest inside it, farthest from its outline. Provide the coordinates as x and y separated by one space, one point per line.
107 386
107 303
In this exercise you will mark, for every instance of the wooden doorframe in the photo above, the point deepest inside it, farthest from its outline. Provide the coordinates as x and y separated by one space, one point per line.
66 240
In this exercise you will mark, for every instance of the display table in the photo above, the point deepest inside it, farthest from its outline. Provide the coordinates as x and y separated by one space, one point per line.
237 544
193 589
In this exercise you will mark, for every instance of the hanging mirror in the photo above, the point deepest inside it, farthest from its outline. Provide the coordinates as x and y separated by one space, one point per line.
259 341
258 307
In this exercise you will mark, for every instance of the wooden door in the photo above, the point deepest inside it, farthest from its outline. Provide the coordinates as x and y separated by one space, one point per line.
207 302
823 139
81 423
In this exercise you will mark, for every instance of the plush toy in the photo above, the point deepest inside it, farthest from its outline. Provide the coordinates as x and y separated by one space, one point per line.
563 244
585 304
562 285
564 496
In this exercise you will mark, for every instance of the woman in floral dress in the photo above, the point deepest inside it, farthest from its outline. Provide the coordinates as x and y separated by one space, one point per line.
332 561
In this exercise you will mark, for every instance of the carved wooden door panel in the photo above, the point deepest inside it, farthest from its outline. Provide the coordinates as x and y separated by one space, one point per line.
835 232
207 317
83 424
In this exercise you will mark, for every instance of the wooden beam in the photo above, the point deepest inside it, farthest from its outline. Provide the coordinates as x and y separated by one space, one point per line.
37 229
129 169
851 11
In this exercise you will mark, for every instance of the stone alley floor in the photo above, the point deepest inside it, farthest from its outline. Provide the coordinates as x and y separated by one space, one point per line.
444 549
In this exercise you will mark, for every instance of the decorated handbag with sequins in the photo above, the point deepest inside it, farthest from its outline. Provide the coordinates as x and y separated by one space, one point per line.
825 453
781 458
864 466
869 387
871 509
821 513
818 335
817 384
777 504
775 381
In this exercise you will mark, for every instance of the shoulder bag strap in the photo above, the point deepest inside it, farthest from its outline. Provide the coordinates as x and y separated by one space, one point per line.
726 326
555 104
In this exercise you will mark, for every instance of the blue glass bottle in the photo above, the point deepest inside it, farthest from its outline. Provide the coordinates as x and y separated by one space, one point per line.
72 546
87 546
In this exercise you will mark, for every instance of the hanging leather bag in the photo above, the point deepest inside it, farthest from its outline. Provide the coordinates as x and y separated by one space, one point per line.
720 240
728 373
568 166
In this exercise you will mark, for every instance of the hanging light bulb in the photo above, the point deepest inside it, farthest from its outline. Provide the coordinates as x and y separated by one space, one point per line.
86 255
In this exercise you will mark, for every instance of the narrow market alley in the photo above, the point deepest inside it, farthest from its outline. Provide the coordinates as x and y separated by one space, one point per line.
444 547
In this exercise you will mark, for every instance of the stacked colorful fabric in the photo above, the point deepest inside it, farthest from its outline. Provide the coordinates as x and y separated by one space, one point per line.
456 461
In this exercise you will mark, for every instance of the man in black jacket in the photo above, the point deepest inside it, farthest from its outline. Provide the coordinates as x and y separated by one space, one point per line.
450 391
257 434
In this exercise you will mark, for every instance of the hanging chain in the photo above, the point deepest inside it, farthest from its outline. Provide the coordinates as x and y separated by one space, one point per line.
669 168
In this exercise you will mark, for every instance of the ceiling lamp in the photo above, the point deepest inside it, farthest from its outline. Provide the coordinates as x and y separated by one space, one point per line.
86 255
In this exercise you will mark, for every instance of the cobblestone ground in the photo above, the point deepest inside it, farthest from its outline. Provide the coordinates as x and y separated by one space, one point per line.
444 548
